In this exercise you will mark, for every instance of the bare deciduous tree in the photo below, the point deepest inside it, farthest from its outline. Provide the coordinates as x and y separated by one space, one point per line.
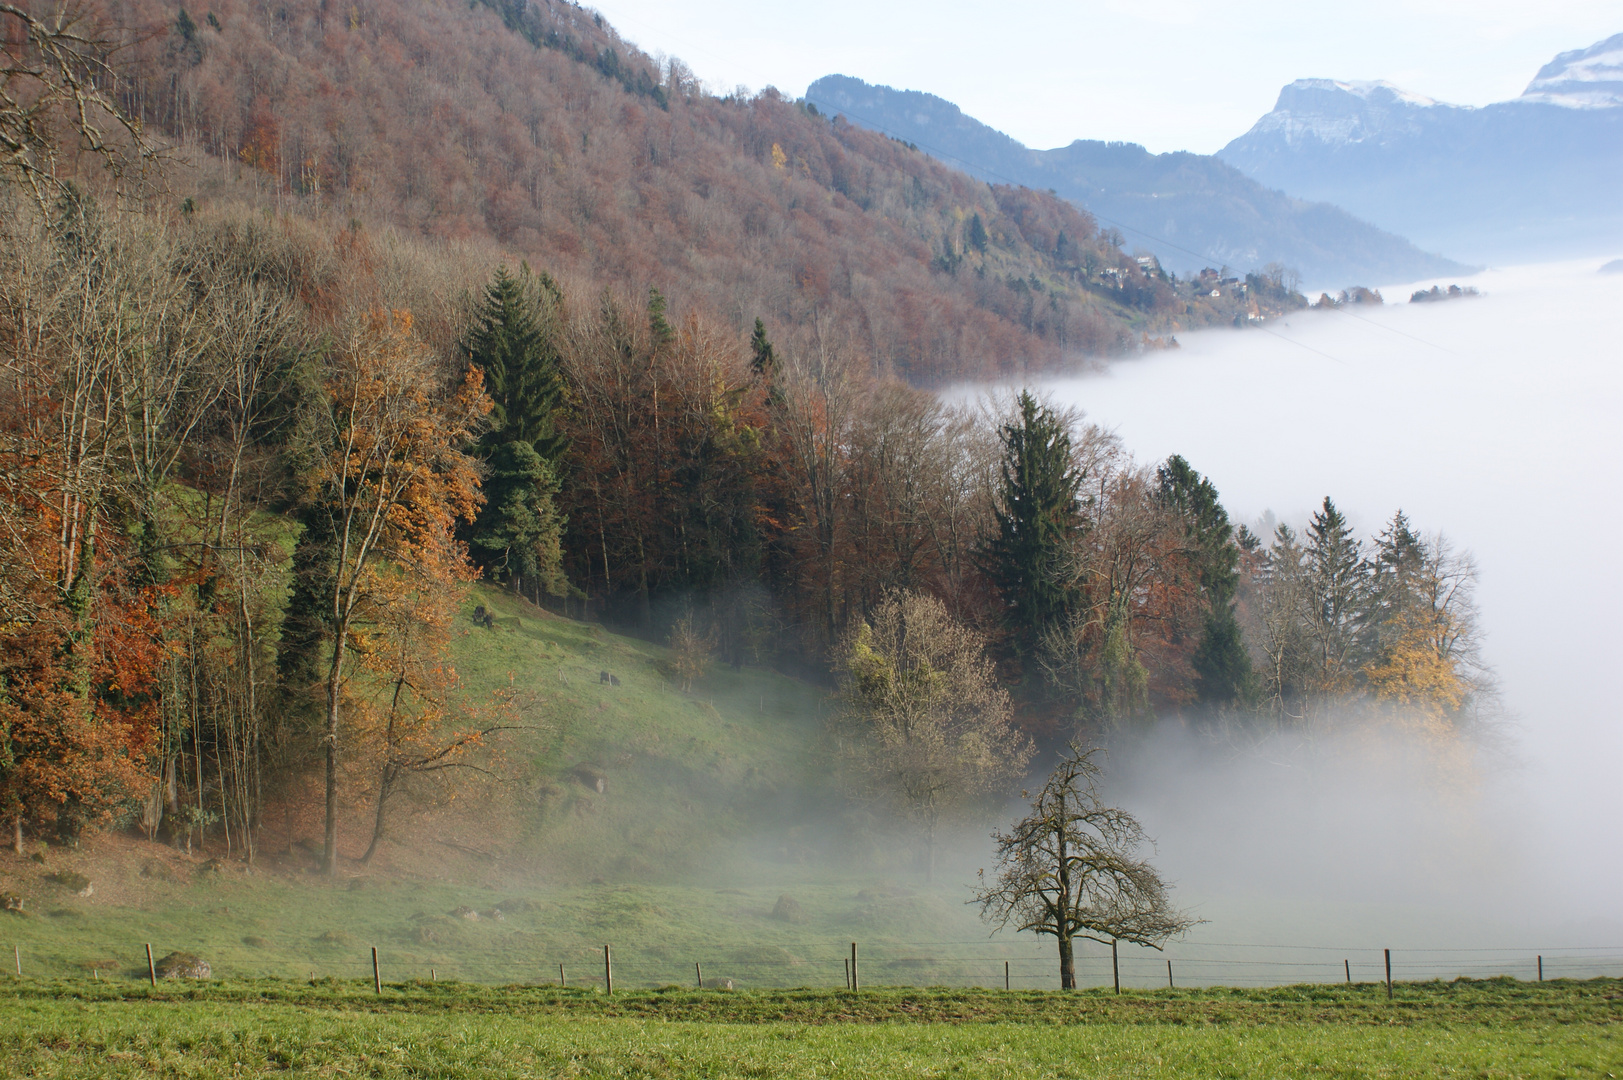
58 91
1071 868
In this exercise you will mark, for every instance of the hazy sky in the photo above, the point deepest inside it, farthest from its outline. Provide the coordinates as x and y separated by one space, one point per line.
1172 74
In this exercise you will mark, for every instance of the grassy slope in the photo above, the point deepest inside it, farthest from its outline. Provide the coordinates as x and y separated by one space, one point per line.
1498 1028
705 821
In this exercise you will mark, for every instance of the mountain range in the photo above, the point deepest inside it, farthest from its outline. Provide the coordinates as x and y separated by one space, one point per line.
1539 176
1190 210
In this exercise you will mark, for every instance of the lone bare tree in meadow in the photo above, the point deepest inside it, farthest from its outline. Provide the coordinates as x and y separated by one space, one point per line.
1071 869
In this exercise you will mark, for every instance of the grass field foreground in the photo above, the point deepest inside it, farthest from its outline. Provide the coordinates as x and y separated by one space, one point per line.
1493 1028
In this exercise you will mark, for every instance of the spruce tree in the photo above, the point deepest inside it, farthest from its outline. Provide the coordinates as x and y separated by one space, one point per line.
762 359
1222 665
1339 580
1038 520
519 532
977 234
659 328
514 340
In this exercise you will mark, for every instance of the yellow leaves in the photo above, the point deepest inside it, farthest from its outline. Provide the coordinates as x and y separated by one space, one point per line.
780 160
1413 672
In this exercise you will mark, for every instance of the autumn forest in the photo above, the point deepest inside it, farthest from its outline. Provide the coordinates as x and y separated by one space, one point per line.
313 316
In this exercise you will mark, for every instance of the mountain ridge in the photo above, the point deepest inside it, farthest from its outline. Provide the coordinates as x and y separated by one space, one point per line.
1533 177
1190 210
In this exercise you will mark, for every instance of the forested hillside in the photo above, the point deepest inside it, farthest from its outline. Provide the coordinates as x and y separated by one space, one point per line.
535 127
253 462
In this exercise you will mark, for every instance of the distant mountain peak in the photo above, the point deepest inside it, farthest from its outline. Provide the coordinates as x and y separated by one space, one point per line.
1589 78
1534 177
1375 90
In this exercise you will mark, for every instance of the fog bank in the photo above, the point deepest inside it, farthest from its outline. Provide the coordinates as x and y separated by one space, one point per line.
1495 420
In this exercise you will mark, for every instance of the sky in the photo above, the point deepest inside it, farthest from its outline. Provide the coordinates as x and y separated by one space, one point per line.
1171 75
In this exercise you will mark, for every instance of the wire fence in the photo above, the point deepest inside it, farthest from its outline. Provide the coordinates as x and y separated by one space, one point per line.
1014 965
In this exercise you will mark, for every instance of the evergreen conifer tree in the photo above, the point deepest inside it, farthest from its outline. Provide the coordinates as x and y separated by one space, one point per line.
762 358
658 326
977 234
519 532
1038 519
1339 580
1222 665
514 340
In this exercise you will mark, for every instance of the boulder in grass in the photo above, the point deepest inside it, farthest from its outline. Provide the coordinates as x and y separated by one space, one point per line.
10 901
788 910
183 965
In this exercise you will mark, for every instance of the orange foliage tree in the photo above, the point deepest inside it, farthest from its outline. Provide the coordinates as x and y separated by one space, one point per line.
79 646
390 482
411 688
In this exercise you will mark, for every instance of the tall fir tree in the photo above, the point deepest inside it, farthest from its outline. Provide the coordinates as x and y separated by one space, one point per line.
660 330
515 341
763 360
1038 520
1222 665
1339 580
519 533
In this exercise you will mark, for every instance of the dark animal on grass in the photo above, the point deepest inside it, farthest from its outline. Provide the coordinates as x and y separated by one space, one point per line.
605 677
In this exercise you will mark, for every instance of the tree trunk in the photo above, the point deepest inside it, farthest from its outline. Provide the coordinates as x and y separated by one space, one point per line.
385 784
1067 963
17 834
329 851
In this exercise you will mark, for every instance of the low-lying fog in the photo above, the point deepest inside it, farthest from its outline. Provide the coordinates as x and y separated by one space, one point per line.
1497 421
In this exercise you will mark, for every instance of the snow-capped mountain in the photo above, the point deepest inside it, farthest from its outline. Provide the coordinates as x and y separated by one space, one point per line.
1589 78
1538 176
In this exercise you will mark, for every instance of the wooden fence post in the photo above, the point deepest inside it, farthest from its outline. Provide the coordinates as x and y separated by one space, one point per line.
608 972
1541 968
1115 967
1005 974
17 953
698 975
377 976
1389 974
561 975
1169 976
152 972
1348 965
855 984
